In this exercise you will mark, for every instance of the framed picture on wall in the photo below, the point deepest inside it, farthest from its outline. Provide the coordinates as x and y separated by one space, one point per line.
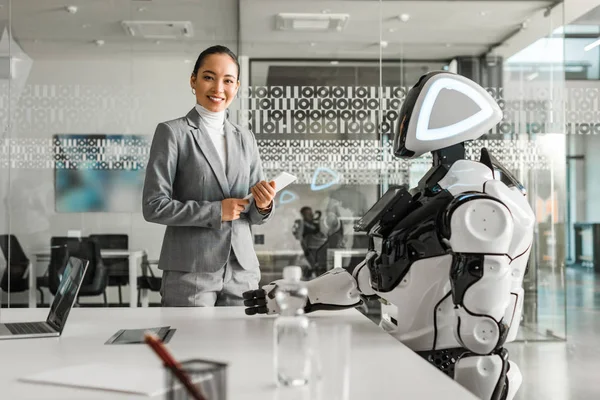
99 172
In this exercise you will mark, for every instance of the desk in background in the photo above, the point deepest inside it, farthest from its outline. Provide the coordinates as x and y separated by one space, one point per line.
135 261
336 256
381 367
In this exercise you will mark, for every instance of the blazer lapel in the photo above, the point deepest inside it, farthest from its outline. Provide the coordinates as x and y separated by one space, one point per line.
232 138
208 149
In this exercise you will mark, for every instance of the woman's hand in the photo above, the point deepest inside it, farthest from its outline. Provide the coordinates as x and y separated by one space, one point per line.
231 208
263 193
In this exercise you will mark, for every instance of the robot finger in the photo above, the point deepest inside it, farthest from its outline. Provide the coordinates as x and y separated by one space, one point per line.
254 294
262 310
255 302
250 311
256 310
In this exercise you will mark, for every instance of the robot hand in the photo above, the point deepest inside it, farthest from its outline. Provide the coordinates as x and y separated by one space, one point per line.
261 301
336 289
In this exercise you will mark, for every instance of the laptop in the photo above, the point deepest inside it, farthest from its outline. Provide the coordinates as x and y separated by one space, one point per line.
68 288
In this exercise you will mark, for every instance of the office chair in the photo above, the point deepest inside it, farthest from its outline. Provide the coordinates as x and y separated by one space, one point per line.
96 278
14 279
151 282
117 268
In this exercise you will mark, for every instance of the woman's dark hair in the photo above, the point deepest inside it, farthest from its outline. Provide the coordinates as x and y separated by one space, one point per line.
215 50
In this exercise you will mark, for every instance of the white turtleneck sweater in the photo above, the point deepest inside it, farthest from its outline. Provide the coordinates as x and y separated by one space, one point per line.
214 122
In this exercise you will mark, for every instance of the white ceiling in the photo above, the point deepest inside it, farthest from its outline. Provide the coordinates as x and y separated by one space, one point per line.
436 29
45 29
592 17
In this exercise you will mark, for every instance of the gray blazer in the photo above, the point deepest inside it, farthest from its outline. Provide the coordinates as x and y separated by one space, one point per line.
183 189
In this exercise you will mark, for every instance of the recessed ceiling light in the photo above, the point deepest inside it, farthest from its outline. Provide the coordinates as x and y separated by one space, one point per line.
483 13
187 61
334 62
142 9
312 44
71 9
404 17
392 30
99 42
448 44
310 22
325 11
383 44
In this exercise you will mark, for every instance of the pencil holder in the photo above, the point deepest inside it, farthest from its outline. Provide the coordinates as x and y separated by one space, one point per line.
208 376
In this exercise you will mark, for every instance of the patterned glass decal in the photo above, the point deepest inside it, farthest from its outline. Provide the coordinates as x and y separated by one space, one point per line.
316 163
339 132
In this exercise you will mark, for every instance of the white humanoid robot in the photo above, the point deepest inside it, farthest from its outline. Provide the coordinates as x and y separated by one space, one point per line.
450 254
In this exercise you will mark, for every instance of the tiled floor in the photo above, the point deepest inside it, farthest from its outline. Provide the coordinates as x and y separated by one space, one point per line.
565 370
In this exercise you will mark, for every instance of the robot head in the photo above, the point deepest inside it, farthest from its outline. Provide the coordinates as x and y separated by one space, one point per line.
441 110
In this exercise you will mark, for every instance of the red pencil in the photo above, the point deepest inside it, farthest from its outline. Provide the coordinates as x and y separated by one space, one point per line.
159 348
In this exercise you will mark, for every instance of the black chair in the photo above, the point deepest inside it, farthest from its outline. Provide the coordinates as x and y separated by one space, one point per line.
14 279
55 243
151 282
96 277
118 268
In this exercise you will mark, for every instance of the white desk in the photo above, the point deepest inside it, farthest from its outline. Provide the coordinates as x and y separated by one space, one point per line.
382 368
279 253
135 261
338 254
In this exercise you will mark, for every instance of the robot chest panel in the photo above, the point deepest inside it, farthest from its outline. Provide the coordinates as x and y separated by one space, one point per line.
414 238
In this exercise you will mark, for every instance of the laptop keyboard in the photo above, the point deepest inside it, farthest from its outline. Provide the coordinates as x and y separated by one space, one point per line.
24 328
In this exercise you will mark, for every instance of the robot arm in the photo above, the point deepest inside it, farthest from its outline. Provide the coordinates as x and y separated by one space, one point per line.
479 229
336 289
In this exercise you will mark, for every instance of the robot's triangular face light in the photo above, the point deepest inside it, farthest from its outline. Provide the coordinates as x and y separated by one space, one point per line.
462 93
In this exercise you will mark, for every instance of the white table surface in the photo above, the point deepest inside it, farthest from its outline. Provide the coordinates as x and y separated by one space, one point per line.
381 368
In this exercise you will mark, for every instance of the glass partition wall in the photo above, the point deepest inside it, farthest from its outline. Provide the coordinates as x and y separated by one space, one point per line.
5 108
321 87
88 85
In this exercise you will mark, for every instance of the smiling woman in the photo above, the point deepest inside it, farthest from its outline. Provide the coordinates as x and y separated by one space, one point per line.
215 80
201 166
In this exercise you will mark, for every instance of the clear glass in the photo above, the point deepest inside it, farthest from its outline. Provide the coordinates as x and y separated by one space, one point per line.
332 352
292 350
312 99
210 378
5 120
292 347
322 106
534 111
86 97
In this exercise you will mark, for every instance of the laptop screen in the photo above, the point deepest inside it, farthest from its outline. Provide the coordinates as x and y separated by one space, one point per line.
70 281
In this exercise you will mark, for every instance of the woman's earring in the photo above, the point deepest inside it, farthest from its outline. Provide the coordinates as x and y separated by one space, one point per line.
193 91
